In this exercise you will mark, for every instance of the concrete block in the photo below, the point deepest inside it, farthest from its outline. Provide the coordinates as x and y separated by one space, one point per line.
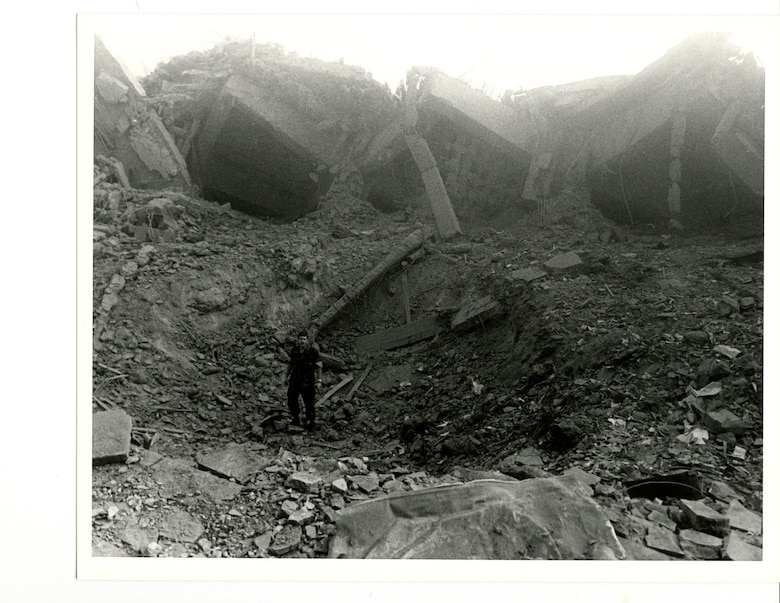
527 274
705 519
304 482
111 436
340 485
301 517
366 483
723 421
564 261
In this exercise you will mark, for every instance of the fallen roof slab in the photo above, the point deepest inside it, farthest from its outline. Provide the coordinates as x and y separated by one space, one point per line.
474 110
549 518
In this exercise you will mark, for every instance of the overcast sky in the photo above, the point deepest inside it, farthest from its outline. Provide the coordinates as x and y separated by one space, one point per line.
492 52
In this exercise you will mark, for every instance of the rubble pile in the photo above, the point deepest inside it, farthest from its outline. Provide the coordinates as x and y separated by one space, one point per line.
543 344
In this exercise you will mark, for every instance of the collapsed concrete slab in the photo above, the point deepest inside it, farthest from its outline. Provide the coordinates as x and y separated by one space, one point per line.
552 518
130 132
473 111
269 131
397 337
262 154
480 148
683 139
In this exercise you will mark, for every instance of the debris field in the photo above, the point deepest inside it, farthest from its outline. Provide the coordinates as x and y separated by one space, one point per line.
552 326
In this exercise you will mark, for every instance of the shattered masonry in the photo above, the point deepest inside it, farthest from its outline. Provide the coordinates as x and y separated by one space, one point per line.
270 133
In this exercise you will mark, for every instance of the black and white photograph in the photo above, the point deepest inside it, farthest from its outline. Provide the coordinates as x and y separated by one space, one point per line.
454 288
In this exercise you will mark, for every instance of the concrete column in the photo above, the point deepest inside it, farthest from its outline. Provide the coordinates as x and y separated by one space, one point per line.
674 198
447 223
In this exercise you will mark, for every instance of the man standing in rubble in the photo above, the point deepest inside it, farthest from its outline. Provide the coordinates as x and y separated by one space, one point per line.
304 364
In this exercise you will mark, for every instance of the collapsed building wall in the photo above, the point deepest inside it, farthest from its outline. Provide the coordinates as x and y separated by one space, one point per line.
482 149
682 140
267 131
129 132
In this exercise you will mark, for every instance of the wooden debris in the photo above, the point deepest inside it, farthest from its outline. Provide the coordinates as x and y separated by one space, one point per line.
332 391
359 382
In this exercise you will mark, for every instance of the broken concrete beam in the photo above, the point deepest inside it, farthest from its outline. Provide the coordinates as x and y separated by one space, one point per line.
111 436
420 151
447 223
399 336
409 244
476 313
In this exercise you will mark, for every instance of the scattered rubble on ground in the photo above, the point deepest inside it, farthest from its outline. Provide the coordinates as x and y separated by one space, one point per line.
532 346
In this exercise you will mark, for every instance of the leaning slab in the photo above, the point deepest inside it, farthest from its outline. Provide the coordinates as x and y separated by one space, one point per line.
475 314
550 518
111 437
397 337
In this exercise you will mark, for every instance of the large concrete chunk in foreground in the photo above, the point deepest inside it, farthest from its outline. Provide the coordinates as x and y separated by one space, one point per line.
551 518
110 437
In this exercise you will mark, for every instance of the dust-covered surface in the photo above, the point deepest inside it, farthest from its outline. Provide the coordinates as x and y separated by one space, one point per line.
636 354
616 369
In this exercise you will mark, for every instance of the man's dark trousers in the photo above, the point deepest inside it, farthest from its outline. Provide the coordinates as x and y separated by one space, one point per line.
307 392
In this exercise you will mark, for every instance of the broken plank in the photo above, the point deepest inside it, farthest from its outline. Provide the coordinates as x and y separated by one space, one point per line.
336 388
326 445
397 337
359 382
475 314
405 298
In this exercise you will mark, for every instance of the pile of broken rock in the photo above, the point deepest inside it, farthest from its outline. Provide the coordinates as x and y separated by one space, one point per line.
282 504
